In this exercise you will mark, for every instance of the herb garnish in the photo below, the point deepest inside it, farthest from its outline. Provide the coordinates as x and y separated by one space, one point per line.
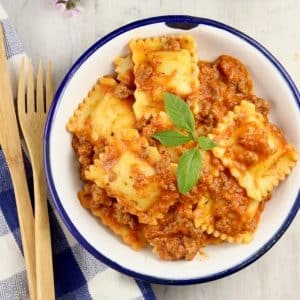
190 163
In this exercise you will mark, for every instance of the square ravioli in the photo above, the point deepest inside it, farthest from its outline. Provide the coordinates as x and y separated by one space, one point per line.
222 208
105 111
254 150
162 64
112 215
127 171
222 216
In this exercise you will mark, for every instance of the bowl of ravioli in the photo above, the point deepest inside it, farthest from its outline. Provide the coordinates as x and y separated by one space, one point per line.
116 186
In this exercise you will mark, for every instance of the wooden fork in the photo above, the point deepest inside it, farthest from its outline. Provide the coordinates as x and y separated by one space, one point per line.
10 142
32 110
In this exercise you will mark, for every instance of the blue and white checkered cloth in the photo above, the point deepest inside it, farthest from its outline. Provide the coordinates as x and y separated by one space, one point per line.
78 275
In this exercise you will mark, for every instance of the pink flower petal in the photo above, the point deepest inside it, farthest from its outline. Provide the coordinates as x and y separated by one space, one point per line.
61 7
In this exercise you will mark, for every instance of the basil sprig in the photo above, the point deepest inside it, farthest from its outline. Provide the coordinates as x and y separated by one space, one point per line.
179 112
172 138
190 163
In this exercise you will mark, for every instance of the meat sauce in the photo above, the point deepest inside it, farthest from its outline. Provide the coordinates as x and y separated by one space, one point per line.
223 84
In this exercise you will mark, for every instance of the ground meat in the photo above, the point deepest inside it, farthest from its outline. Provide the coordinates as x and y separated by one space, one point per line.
228 222
165 177
124 217
235 74
84 150
163 164
175 248
153 125
204 111
224 83
82 146
143 73
207 71
254 139
247 157
175 237
231 99
139 180
226 188
122 91
230 204
109 157
216 163
172 44
262 106
91 196
215 96
98 148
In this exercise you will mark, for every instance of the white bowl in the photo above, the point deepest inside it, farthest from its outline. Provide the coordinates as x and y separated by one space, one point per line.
271 82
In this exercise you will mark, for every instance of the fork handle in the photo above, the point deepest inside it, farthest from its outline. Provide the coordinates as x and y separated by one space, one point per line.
44 265
26 221
10 141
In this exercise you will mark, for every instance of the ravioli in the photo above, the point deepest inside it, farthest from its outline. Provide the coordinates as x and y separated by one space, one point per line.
206 219
133 237
223 208
126 171
162 64
130 178
254 150
102 113
111 215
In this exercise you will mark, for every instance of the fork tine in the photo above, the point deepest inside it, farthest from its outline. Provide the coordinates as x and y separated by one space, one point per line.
30 89
21 90
49 86
40 90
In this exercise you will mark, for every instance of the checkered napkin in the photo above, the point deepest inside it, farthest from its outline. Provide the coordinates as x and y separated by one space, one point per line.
78 275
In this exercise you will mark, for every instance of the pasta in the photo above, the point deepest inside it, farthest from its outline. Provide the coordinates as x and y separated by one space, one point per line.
113 216
254 150
124 174
227 213
129 178
102 112
162 64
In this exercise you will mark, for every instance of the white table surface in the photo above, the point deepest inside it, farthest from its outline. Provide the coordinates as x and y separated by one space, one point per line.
276 24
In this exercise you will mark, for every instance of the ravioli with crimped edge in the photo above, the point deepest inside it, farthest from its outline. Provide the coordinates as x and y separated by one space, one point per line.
162 64
224 210
104 111
254 150
129 178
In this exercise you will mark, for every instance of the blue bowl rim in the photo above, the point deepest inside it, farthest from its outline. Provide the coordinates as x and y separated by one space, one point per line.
161 19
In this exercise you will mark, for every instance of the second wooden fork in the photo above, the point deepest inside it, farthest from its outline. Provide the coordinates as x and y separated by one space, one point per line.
32 109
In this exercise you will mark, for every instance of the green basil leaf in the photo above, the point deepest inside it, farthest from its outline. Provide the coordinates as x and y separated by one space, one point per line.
171 138
188 170
206 143
179 112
